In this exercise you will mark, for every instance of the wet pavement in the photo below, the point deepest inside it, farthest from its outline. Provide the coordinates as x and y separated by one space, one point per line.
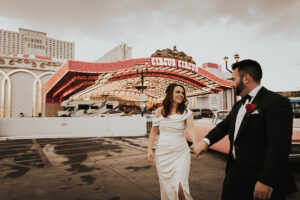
98 168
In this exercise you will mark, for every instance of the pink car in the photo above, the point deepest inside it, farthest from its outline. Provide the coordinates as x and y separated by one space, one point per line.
202 128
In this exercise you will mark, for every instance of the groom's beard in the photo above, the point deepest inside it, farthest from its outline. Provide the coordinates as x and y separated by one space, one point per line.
239 88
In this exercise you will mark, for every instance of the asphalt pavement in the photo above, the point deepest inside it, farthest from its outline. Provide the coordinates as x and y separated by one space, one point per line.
98 168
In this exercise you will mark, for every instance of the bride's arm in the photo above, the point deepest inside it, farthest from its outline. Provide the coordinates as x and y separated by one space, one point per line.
152 137
198 147
191 128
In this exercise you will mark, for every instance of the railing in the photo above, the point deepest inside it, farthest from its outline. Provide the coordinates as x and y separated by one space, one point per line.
149 124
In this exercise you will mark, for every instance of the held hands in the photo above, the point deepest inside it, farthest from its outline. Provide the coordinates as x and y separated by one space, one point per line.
199 147
150 156
262 191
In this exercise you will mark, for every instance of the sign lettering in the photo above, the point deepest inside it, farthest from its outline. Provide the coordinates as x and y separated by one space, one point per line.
172 62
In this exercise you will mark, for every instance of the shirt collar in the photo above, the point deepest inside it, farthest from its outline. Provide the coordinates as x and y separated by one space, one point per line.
254 92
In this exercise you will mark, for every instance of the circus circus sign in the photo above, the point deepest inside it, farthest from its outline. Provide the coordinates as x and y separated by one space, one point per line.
172 62
173 58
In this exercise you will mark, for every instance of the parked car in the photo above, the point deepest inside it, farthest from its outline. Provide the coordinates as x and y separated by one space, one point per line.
111 113
138 112
296 114
295 104
76 108
219 116
196 113
223 145
205 112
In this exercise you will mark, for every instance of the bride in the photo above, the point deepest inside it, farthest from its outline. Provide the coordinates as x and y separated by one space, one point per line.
172 155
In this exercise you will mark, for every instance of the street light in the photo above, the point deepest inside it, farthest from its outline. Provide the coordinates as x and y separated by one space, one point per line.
226 60
142 73
236 57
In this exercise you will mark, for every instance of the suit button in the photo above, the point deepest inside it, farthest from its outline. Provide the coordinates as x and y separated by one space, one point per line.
237 147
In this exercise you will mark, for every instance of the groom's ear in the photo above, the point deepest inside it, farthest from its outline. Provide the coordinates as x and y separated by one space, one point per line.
247 78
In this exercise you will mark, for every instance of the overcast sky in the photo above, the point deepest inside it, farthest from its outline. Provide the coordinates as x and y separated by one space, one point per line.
264 30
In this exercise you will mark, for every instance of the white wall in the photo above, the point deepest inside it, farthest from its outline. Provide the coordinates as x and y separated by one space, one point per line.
214 101
72 127
203 102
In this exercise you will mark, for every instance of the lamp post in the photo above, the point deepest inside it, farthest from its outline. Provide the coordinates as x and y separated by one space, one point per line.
142 73
226 61
236 57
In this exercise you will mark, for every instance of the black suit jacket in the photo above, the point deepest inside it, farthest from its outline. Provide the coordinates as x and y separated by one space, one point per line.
263 142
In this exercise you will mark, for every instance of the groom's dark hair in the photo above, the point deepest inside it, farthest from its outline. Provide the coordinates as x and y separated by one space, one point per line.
250 67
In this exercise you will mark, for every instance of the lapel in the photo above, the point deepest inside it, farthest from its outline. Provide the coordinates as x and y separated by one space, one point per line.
256 102
232 121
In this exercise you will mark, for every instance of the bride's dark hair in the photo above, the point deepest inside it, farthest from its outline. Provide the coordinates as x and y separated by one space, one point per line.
168 100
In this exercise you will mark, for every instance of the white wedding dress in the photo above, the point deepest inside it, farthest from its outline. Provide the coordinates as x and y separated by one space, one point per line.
172 156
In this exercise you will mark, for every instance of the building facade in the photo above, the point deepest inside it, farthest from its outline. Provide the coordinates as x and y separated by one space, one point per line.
119 53
34 43
22 85
141 81
222 100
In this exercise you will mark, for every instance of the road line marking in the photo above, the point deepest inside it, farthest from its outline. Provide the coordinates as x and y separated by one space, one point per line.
96 160
19 165
42 154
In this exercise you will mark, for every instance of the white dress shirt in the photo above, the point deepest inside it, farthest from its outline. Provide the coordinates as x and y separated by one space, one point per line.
240 116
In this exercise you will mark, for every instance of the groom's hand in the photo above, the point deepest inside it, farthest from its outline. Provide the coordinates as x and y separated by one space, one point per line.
262 191
200 147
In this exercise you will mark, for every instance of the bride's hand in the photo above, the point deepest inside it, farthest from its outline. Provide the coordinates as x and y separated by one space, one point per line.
195 147
199 147
151 156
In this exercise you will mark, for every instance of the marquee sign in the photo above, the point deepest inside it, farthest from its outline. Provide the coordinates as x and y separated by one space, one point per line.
173 58
172 62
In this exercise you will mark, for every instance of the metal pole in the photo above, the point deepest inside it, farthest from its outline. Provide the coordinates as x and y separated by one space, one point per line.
227 67
142 77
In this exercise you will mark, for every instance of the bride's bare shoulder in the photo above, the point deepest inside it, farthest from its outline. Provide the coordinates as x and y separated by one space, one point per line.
158 112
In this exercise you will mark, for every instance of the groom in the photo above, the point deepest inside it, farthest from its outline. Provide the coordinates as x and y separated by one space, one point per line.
260 130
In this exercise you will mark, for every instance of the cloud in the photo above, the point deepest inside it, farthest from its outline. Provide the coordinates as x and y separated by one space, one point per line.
112 19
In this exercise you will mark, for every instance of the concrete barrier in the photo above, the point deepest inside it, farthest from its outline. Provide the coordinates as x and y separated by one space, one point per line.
296 123
58 127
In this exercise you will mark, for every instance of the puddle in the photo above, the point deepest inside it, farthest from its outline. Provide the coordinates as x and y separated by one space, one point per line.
78 153
66 188
17 172
81 168
115 198
138 168
22 154
130 142
89 179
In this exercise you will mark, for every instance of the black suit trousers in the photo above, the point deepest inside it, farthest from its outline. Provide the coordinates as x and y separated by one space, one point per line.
237 186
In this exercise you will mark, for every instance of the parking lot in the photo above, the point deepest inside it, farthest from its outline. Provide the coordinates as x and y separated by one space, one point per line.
98 168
